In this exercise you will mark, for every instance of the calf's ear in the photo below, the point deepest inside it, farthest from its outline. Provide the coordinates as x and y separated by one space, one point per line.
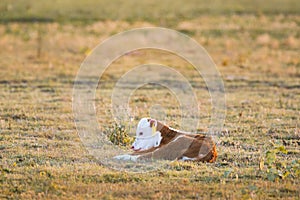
153 122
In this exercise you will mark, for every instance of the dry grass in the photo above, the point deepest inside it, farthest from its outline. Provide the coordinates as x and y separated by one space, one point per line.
41 153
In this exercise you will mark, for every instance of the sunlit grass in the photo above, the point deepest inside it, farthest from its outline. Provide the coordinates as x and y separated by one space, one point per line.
43 157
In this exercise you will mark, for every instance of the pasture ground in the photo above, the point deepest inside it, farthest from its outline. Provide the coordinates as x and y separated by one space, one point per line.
257 54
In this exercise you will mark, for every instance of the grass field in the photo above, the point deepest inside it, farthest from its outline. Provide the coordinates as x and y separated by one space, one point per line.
255 46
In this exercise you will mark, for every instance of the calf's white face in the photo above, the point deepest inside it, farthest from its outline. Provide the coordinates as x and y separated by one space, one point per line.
146 136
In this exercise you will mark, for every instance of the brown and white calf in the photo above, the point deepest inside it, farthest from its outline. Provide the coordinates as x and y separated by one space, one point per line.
155 140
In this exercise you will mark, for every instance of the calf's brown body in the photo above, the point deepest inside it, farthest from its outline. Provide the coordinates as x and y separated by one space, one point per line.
180 145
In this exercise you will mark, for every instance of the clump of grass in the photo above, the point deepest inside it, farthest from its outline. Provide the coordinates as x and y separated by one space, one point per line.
118 135
120 178
180 166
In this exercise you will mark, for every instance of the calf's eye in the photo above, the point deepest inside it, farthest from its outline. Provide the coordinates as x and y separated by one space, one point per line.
141 133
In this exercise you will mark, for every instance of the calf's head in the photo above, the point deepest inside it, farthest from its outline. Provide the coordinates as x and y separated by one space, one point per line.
146 135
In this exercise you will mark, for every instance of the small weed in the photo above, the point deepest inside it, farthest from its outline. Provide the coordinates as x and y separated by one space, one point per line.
277 168
118 135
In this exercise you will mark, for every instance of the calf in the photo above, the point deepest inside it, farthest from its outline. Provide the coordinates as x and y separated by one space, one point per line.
155 140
